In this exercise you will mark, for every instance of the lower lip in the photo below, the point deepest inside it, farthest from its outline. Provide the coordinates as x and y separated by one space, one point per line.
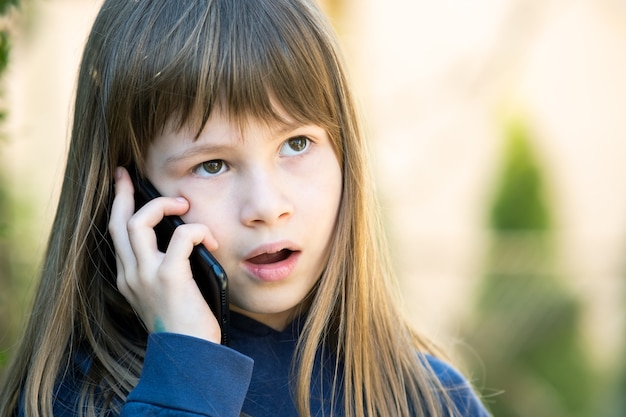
276 271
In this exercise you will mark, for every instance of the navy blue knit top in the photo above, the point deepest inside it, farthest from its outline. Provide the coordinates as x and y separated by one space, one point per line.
186 376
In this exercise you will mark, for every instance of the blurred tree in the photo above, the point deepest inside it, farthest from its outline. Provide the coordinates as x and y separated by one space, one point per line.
7 327
4 276
616 405
6 4
526 325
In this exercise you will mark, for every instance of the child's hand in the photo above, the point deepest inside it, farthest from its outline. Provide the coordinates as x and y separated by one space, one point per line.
159 286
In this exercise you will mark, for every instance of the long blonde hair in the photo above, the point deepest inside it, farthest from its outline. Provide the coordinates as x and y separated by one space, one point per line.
145 63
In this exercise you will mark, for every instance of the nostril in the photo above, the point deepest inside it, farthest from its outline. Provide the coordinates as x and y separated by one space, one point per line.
266 210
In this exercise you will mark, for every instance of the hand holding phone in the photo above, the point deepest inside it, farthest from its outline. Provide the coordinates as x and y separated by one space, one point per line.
207 272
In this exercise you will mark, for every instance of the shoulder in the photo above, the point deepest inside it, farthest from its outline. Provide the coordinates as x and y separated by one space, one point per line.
448 375
457 388
174 376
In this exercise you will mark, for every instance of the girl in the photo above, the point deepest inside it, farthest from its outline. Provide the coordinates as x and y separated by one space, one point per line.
239 112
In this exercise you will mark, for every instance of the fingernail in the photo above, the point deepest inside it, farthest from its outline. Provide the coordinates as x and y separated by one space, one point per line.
181 199
117 173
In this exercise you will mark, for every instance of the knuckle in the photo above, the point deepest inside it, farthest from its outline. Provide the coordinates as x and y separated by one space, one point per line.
122 286
191 232
112 228
184 232
166 269
172 270
133 224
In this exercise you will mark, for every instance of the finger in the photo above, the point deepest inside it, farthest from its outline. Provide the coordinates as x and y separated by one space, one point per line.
121 211
140 227
122 285
191 234
183 240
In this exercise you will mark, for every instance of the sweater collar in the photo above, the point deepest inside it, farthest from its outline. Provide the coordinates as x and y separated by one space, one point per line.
244 326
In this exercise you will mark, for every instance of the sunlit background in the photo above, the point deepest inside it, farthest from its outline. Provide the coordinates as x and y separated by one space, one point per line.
498 131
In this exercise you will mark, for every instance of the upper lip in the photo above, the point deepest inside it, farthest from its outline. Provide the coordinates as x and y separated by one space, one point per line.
272 248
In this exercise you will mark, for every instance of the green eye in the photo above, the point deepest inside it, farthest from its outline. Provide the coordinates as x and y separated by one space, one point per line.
298 144
295 145
212 167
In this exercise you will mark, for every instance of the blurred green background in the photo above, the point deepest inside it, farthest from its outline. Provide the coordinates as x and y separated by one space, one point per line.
497 135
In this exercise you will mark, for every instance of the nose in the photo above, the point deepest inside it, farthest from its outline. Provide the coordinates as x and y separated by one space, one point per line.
265 200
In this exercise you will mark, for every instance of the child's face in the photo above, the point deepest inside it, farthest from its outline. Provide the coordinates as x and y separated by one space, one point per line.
270 197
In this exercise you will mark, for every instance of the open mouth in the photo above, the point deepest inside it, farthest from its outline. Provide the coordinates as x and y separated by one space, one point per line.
270 258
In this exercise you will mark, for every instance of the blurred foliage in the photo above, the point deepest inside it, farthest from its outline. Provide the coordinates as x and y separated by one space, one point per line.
4 51
8 277
526 325
6 4
616 405
5 274
520 203
17 267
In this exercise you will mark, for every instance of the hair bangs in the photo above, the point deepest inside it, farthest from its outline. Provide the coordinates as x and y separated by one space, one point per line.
271 63
250 58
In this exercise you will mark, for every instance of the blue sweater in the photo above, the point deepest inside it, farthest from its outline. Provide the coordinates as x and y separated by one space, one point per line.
185 376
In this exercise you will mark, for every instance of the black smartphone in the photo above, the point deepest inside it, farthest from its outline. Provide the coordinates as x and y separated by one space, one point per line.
207 272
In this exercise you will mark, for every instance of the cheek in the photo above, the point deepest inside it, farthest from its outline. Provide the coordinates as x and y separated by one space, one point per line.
212 215
321 205
329 190
210 212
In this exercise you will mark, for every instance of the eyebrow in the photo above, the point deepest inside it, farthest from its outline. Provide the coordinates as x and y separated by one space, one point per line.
209 148
196 150
288 128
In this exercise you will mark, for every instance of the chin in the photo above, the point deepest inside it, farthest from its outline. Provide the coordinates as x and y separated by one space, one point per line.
274 314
